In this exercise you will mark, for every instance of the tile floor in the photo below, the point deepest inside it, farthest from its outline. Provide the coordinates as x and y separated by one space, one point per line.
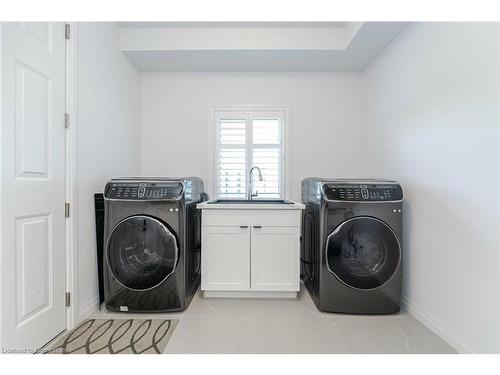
290 326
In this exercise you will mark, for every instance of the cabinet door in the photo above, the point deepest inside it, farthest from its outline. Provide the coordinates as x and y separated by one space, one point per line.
225 258
275 254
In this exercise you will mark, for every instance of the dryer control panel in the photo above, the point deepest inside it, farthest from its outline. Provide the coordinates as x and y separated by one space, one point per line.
143 190
363 192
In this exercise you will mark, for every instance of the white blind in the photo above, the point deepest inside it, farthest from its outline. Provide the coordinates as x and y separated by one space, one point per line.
245 140
266 154
232 158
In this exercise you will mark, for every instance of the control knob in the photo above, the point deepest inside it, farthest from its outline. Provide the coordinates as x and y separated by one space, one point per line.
364 193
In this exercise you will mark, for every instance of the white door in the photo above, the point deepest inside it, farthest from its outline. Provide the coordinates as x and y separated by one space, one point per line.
275 258
225 258
33 261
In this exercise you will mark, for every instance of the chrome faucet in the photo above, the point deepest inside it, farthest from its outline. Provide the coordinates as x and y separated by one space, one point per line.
250 193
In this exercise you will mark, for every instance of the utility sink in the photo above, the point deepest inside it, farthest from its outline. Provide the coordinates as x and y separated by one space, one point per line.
246 201
250 248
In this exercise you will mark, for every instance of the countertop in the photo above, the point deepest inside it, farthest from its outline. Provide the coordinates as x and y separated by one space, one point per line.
250 206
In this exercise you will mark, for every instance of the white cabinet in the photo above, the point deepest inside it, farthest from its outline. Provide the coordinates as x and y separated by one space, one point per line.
274 257
225 259
250 253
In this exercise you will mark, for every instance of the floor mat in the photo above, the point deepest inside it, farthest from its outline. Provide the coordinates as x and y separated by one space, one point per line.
115 336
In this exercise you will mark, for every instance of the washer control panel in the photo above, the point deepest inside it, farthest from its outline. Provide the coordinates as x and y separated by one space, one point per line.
141 190
362 192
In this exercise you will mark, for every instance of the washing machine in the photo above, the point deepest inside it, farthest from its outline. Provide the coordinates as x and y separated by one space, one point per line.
351 255
152 236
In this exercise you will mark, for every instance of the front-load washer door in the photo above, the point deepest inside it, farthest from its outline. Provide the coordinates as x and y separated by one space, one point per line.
363 252
141 252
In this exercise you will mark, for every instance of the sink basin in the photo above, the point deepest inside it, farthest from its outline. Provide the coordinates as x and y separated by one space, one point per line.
245 201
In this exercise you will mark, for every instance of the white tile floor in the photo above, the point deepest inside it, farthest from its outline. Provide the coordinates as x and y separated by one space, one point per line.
290 326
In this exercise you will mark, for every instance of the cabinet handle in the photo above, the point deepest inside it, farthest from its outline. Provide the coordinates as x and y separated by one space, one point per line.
243 226
257 226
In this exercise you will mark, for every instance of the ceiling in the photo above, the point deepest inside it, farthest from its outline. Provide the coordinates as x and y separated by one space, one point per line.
255 46
229 24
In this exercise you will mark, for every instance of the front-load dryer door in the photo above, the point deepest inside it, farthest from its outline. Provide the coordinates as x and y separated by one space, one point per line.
363 252
141 252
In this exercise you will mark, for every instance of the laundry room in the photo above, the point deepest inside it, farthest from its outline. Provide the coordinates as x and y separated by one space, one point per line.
227 186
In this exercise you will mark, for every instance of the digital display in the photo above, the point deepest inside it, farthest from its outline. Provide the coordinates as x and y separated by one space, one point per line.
343 192
143 191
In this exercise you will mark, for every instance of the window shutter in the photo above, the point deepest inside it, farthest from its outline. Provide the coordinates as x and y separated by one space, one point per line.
267 155
231 162
244 140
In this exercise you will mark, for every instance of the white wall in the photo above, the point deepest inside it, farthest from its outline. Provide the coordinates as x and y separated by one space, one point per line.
432 123
108 107
425 113
325 119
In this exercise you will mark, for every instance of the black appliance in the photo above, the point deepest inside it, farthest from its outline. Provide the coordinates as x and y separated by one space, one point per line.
152 234
351 255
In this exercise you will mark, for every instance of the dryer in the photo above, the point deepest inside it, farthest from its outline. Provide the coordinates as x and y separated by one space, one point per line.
152 235
351 254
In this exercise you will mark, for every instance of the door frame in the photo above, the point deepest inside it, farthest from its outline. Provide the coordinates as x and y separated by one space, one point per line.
71 176
1 180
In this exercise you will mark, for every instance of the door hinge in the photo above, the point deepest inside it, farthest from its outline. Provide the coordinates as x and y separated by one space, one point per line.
67 31
66 120
67 299
66 209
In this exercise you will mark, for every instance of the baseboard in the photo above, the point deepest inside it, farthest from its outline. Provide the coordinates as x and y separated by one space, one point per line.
248 294
461 344
88 309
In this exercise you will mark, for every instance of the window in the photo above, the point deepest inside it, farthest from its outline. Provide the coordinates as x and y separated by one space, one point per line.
245 139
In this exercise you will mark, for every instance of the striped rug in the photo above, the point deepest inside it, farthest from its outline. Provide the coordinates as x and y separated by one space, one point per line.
115 336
